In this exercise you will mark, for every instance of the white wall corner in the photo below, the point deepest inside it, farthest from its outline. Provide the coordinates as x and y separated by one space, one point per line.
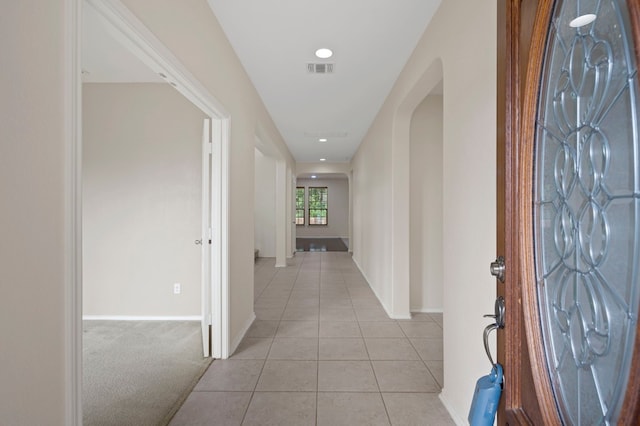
457 418
388 311
243 332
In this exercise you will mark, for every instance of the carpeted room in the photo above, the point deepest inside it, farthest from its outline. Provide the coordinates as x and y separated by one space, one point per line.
142 347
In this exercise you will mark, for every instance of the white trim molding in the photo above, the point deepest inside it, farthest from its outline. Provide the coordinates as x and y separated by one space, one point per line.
141 318
73 213
138 39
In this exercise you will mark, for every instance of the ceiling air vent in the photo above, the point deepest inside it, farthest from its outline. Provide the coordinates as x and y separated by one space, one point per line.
320 68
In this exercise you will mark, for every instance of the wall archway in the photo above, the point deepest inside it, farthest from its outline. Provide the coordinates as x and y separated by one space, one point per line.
400 188
425 205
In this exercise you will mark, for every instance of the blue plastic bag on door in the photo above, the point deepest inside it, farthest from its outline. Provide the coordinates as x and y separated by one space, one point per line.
486 398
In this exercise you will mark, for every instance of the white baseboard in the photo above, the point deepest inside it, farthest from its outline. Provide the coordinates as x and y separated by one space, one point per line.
428 310
454 415
140 318
243 332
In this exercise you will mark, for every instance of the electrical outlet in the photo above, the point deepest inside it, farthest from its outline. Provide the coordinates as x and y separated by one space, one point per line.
177 288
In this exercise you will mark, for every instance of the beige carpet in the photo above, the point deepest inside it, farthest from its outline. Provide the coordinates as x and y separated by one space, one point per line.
139 372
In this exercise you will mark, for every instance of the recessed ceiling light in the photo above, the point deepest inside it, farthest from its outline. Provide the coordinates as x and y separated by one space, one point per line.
323 159
324 53
583 20
313 176
322 140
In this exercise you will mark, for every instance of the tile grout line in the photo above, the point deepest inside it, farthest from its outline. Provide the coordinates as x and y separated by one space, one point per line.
255 387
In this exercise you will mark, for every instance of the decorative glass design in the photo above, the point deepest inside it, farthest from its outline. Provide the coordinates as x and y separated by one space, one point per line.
587 207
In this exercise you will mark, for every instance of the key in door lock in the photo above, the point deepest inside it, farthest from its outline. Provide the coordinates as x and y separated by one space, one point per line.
498 324
498 268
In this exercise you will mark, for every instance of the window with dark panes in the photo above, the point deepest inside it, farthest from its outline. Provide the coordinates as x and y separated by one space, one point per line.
318 205
300 205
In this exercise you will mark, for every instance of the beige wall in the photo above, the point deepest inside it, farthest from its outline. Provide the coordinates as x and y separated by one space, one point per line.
265 205
191 32
464 45
34 188
142 198
426 206
338 213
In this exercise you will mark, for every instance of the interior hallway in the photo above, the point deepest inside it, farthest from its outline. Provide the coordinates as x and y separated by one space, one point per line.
322 351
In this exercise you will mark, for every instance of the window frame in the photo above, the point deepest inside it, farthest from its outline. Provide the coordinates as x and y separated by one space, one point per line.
326 208
303 209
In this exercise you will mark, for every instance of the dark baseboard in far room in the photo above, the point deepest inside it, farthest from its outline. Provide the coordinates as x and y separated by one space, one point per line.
320 244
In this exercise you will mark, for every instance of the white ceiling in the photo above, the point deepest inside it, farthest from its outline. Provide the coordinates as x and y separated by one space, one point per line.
275 40
371 41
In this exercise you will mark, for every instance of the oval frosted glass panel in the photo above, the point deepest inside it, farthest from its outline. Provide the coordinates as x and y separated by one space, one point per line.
586 208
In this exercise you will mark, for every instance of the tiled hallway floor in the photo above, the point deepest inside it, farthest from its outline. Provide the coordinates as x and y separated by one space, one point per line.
322 351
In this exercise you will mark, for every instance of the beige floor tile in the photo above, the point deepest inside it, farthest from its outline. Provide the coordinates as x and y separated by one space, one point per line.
437 370
404 376
346 376
339 329
231 375
289 376
307 302
391 349
428 349
422 316
227 408
281 409
294 348
303 293
333 285
350 409
301 314
421 329
371 314
297 329
332 303
270 303
361 292
253 348
380 329
416 409
437 317
320 307
268 313
343 349
307 282
337 314
334 293
275 293
365 303
262 328
331 277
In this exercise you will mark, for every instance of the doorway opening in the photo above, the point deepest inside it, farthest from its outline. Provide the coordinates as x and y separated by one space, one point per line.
322 212
155 186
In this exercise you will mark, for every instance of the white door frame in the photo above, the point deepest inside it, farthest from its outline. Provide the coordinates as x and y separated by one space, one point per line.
136 37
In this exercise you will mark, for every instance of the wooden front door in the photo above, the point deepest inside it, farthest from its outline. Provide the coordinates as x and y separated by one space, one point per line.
569 211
